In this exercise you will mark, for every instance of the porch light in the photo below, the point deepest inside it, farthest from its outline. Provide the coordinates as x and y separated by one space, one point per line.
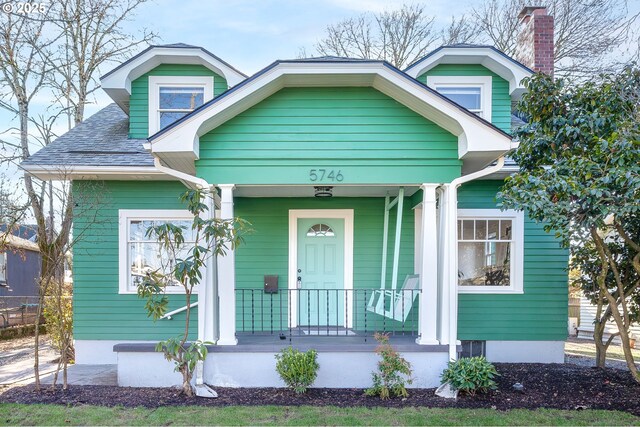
323 191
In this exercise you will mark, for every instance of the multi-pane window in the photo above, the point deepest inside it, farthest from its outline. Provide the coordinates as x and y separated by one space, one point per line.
470 97
178 101
140 252
490 251
320 230
173 97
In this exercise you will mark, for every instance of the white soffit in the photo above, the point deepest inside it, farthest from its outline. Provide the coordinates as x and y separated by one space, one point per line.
488 57
117 83
479 142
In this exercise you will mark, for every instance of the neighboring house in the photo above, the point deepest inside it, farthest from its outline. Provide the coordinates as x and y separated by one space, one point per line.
19 273
587 320
371 202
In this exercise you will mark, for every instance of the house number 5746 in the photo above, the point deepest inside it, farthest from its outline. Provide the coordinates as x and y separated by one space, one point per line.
325 175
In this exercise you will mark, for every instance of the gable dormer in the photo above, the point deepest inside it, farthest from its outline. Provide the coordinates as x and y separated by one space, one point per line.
163 83
480 78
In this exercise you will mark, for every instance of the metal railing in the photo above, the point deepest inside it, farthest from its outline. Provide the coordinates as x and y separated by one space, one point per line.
327 312
16 311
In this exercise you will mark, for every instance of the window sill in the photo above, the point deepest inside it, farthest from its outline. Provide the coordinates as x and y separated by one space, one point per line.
489 290
168 292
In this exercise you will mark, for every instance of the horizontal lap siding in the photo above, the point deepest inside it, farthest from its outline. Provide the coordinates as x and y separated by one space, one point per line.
538 314
500 98
266 252
359 131
139 99
100 313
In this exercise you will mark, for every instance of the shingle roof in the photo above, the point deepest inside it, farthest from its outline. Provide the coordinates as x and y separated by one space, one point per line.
101 140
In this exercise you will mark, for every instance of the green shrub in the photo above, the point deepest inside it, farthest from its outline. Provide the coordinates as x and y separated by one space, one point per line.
394 372
470 375
298 370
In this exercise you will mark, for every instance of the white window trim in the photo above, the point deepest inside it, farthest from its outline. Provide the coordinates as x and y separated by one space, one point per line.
516 274
155 82
483 82
3 266
125 216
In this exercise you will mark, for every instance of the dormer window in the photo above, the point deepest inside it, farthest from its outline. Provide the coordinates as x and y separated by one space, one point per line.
470 92
171 98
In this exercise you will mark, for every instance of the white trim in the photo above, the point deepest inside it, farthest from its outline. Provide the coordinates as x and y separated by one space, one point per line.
516 275
62 172
125 216
485 56
479 143
155 82
294 215
483 82
118 83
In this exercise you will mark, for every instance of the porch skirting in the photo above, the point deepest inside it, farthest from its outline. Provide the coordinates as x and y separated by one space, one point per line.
342 365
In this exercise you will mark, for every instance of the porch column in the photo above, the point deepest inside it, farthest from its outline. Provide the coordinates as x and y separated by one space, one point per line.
227 276
428 317
206 291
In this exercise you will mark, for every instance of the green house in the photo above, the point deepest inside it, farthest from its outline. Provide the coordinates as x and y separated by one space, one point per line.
371 194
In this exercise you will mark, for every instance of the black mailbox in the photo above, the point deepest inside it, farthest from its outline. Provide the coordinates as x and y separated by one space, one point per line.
270 284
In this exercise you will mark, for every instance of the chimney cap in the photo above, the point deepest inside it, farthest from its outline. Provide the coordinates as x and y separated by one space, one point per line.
531 10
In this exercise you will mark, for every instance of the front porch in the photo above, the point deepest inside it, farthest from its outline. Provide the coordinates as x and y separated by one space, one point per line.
369 259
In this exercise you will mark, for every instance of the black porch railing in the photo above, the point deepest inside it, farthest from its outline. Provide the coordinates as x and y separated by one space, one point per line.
292 313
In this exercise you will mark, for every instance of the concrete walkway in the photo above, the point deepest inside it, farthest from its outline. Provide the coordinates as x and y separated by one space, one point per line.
87 375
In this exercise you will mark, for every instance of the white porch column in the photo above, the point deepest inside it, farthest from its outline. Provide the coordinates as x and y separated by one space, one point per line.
227 277
206 291
427 323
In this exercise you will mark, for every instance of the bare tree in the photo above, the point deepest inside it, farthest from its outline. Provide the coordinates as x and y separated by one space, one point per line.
58 52
586 31
460 30
398 36
91 34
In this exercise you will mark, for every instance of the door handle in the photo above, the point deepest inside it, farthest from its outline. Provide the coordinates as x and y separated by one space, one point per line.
299 282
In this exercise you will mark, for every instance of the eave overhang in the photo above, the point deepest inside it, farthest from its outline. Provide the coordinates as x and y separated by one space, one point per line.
117 82
479 142
487 56
124 173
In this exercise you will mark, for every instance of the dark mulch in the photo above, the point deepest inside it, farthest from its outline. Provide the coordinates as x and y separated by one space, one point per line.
549 386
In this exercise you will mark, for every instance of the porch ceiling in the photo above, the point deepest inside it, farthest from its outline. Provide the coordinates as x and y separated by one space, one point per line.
308 190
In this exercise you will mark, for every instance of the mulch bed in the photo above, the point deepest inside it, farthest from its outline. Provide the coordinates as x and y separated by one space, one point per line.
545 386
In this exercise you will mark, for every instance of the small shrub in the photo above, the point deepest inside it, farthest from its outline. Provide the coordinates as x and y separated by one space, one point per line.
470 375
394 372
297 369
57 311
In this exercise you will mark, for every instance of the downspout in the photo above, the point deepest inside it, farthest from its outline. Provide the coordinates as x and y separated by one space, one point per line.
206 319
451 241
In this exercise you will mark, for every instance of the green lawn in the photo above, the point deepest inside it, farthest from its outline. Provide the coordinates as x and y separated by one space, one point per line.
15 414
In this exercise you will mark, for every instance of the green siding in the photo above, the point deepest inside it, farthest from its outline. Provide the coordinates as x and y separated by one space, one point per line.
541 312
99 312
265 251
364 134
500 98
139 100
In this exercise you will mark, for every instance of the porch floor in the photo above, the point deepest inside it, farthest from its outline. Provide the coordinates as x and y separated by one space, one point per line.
250 343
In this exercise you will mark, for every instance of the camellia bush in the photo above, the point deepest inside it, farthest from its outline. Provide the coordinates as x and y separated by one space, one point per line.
579 174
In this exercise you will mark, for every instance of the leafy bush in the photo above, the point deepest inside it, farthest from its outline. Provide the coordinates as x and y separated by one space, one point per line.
470 375
394 372
58 315
298 370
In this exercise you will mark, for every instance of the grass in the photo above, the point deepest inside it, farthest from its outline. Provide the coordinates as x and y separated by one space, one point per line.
18 414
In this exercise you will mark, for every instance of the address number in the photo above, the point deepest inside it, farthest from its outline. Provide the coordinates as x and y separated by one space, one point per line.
325 175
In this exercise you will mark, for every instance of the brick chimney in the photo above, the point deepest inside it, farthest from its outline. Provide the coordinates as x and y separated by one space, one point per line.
535 42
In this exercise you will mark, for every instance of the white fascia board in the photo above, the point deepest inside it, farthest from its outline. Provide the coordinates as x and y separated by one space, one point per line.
486 57
64 173
474 135
118 84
